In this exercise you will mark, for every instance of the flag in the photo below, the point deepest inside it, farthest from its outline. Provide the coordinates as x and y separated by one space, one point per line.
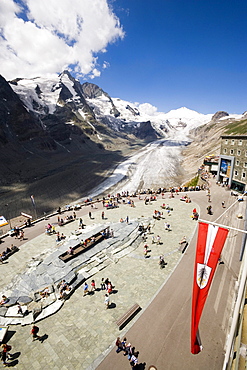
210 242
32 200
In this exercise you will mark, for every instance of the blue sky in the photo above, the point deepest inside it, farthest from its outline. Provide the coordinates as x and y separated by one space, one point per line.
180 53
169 53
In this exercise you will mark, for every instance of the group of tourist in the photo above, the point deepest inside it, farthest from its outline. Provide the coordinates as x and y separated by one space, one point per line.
105 286
7 252
128 350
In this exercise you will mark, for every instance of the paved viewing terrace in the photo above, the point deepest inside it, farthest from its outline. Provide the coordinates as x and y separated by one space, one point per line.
81 332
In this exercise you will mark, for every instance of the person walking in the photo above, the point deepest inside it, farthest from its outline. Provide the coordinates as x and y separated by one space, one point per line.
34 332
103 215
4 358
85 289
5 353
90 214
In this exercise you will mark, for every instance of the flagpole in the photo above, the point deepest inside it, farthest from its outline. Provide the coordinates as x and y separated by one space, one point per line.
220 225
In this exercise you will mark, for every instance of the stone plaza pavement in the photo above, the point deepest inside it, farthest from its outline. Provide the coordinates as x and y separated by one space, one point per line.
80 334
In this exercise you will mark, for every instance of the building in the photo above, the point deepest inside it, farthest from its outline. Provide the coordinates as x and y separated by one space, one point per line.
232 167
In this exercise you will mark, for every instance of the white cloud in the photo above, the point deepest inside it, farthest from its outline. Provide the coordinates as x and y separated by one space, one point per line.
41 37
148 109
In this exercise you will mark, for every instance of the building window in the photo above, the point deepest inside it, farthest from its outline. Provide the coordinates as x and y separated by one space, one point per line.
243 175
246 154
236 173
225 151
240 142
239 152
226 141
245 164
237 163
231 151
232 143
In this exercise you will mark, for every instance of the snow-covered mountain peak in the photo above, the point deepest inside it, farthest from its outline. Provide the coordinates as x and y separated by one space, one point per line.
44 95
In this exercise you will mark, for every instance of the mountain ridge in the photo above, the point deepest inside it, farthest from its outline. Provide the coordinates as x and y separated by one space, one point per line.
58 137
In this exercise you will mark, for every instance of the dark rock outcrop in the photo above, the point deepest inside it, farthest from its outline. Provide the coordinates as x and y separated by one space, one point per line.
219 115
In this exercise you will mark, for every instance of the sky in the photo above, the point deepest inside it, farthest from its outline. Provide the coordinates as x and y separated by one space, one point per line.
169 53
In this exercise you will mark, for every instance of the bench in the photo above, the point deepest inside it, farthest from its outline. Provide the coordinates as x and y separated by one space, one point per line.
128 316
65 222
80 248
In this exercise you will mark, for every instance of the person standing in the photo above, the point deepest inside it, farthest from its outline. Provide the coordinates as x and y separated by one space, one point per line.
90 214
119 345
93 285
107 301
109 287
102 284
103 215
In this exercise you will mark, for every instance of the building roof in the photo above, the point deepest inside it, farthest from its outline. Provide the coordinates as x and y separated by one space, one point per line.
234 137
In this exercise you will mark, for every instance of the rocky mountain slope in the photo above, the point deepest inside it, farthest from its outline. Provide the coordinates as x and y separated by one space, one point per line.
59 138
205 139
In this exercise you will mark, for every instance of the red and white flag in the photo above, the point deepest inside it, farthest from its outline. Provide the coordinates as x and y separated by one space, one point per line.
210 242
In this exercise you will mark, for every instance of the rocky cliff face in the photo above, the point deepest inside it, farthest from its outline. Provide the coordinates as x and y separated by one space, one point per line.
53 145
206 140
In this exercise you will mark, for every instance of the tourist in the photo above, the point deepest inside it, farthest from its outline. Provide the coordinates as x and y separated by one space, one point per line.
45 293
58 239
85 289
4 300
102 284
70 251
109 287
93 286
20 235
124 341
162 262
168 226
34 332
209 210
5 355
107 301
20 311
183 240
119 345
